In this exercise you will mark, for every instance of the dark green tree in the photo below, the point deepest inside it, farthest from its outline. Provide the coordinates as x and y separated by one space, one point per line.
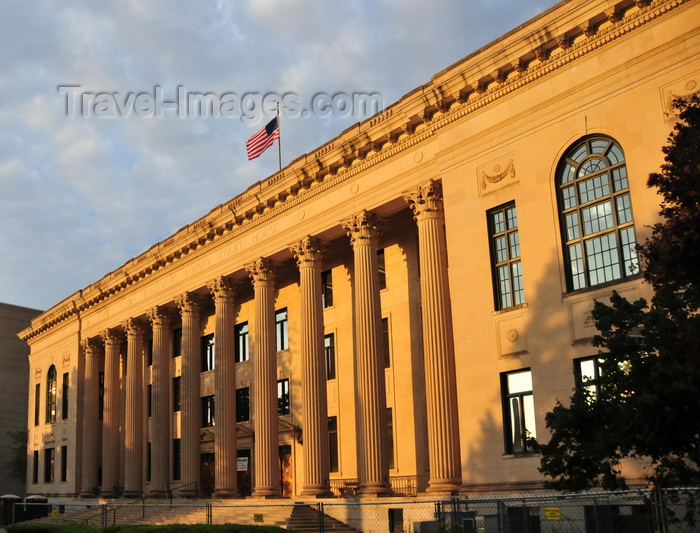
16 465
647 402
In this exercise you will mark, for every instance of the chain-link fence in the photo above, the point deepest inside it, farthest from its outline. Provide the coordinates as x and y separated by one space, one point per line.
638 511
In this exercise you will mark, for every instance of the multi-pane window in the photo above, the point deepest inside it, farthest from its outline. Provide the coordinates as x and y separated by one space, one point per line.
207 411
390 435
177 385
283 397
49 464
505 251
37 403
587 375
101 396
242 342
596 214
282 329
333 442
149 399
64 397
329 346
518 410
148 349
243 404
208 352
51 392
64 463
177 342
149 456
386 343
176 459
381 266
35 467
327 288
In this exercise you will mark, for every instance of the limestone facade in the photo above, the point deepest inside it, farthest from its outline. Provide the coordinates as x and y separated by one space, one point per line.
392 312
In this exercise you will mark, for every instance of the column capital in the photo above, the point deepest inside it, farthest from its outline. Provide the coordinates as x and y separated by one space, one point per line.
112 336
134 326
363 228
262 271
91 345
188 302
425 200
221 288
308 251
160 316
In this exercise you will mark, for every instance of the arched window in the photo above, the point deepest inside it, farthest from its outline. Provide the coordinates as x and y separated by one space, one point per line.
596 214
51 395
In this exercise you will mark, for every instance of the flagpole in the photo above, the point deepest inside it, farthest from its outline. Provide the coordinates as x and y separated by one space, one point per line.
279 141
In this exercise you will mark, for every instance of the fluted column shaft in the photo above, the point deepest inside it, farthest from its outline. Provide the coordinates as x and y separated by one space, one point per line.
438 344
190 414
313 366
91 422
133 415
111 415
363 230
161 319
225 446
264 353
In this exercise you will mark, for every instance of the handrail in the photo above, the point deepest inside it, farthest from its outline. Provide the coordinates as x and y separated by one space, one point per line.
170 490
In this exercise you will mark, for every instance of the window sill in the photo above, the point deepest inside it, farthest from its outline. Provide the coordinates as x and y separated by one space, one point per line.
520 455
509 309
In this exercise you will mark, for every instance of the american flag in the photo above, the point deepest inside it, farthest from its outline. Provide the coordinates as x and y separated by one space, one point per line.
262 140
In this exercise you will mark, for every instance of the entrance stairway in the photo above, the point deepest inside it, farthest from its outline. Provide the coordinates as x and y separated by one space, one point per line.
305 518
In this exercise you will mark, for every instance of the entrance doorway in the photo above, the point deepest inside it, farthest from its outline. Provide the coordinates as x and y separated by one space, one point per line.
245 485
286 470
207 472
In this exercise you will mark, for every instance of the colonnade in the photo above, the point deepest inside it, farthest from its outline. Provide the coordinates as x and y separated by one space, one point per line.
372 443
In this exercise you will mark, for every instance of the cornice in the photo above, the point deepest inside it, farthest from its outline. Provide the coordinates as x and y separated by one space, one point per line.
455 93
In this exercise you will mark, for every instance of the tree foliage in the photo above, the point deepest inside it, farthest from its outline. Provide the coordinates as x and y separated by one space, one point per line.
647 403
17 463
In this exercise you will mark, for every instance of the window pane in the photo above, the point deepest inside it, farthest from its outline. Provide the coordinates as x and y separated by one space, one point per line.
620 179
569 197
603 259
591 166
514 243
594 188
587 368
512 218
580 153
629 251
520 382
597 218
599 146
529 414
572 227
329 345
624 211
615 154
282 331
498 222
518 291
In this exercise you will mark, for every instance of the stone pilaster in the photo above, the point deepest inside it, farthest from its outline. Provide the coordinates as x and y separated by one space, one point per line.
363 230
112 413
308 254
264 355
225 446
133 414
190 403
438 344
161 320
91 424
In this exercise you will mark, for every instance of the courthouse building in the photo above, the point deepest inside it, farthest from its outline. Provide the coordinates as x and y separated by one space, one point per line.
394 312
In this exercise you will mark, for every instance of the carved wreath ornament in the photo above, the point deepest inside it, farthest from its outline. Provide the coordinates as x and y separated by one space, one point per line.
509 172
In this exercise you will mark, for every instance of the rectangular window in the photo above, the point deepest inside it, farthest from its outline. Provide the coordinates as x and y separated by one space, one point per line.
242 342
386 343
327 288
148 461
64 397
149 399
518 410
505 254
35 467
177 342
587 375
282 329
37 403
64 463
381 265
283 397
101 396
208 362
333 442
390 435
49 464
207 411
177 384
329 344
148 348
176 459
243 404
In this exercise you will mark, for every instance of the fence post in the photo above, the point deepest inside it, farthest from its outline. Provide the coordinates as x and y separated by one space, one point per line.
659 511
502 518
321 518
103 515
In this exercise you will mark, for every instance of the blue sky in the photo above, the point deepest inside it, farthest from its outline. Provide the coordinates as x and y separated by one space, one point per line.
80 195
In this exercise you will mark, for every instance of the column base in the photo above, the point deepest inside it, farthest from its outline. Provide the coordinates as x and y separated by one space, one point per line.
86 494
158 494
374 489
133 494
107 494
266 492
226 493
443 486
316 491
187 493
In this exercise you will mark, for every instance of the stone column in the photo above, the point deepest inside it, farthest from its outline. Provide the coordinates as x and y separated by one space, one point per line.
363 230
438 343
190 402
133 419
112 413
161 319
225 446
313 364
91 418
264 355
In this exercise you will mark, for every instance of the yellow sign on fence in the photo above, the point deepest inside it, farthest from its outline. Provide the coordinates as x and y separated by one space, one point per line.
552 513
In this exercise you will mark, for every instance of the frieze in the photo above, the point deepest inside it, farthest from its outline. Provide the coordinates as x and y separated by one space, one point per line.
680 89
495 175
